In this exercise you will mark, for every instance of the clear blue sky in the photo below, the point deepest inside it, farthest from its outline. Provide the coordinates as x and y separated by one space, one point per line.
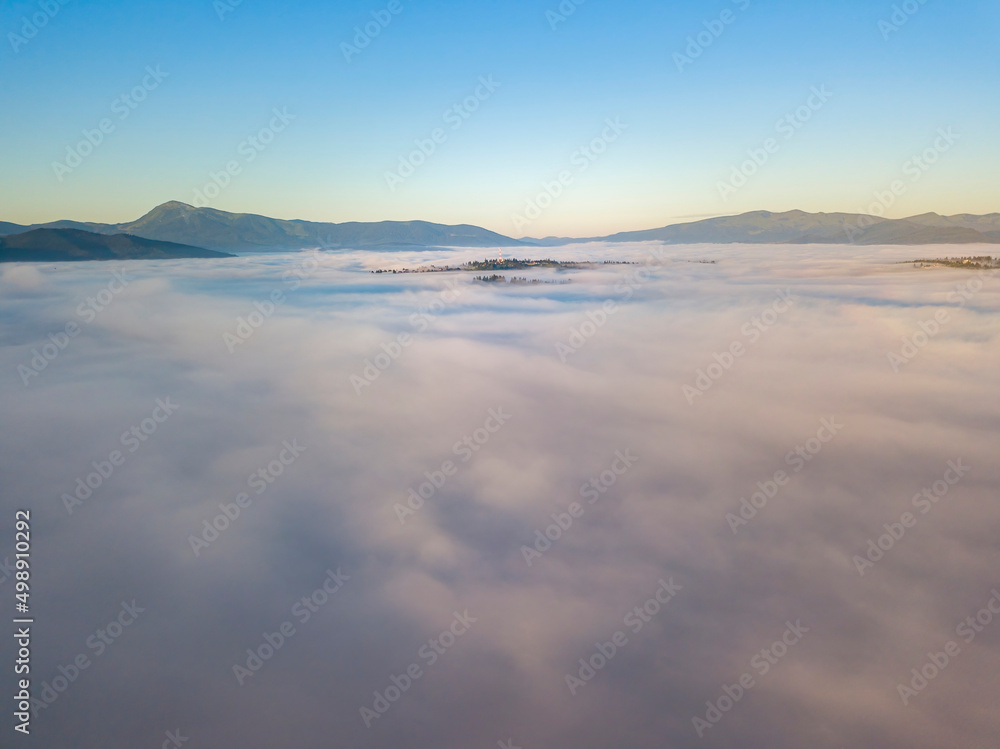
686 129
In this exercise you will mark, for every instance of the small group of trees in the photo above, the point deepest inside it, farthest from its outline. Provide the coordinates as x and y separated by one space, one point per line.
497 278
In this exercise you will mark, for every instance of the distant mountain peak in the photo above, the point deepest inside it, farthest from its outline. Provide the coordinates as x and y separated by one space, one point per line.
221 230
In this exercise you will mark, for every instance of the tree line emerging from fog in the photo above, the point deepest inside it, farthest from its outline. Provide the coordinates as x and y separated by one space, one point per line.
977 261
497 278
511 264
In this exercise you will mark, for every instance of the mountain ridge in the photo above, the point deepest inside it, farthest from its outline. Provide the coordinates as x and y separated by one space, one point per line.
800 227
211 228
218 230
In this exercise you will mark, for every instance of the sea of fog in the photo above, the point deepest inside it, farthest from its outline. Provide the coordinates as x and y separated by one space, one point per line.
726 496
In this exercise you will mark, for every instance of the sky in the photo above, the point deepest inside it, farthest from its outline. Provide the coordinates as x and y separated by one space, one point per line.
553 396
694 90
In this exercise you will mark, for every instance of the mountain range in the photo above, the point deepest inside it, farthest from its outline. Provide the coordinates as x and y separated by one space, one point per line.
246 232
799 227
